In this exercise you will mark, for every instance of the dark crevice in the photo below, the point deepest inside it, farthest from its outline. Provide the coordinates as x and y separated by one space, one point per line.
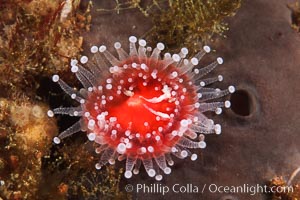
241 103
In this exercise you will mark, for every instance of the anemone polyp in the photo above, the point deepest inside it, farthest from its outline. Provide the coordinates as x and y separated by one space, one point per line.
141 107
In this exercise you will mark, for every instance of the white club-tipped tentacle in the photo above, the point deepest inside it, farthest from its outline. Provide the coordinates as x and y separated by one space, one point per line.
161 162
130 161
71 111
88 75
156 51
121 52
205 70
148 164
83 80
71 130
216 94
106 155
137 166
67 89
209 81
132 46
110 58
142 48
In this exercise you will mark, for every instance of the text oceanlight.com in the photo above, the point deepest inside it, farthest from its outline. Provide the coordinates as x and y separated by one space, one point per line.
212 188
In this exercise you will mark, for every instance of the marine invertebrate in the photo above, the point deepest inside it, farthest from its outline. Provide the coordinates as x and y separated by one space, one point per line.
47 34
172 22
26 133
295 14
95 185
140 107
174 25
285 189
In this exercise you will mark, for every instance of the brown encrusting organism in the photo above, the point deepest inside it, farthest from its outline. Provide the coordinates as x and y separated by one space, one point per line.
38 37
28 167
71 173
25 136
191 23
295 14
285 190
95 185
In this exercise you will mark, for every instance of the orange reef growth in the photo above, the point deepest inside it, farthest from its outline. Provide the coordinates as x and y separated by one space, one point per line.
285 190
295 14
26 134
38 37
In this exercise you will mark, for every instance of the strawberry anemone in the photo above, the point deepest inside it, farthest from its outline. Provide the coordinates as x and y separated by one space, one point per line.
141 107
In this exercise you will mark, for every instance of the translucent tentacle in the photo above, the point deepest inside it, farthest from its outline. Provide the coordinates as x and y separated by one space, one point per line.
209 81
121 53
216 94
105 157
68 132
130 161
132 47
112 59
205 70
161 162
156 52
88 75
185 142
67 89
72 111
148 164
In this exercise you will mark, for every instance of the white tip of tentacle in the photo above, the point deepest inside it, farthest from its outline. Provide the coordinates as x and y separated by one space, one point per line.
132 39
206 49
55 78
128 174
56 140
